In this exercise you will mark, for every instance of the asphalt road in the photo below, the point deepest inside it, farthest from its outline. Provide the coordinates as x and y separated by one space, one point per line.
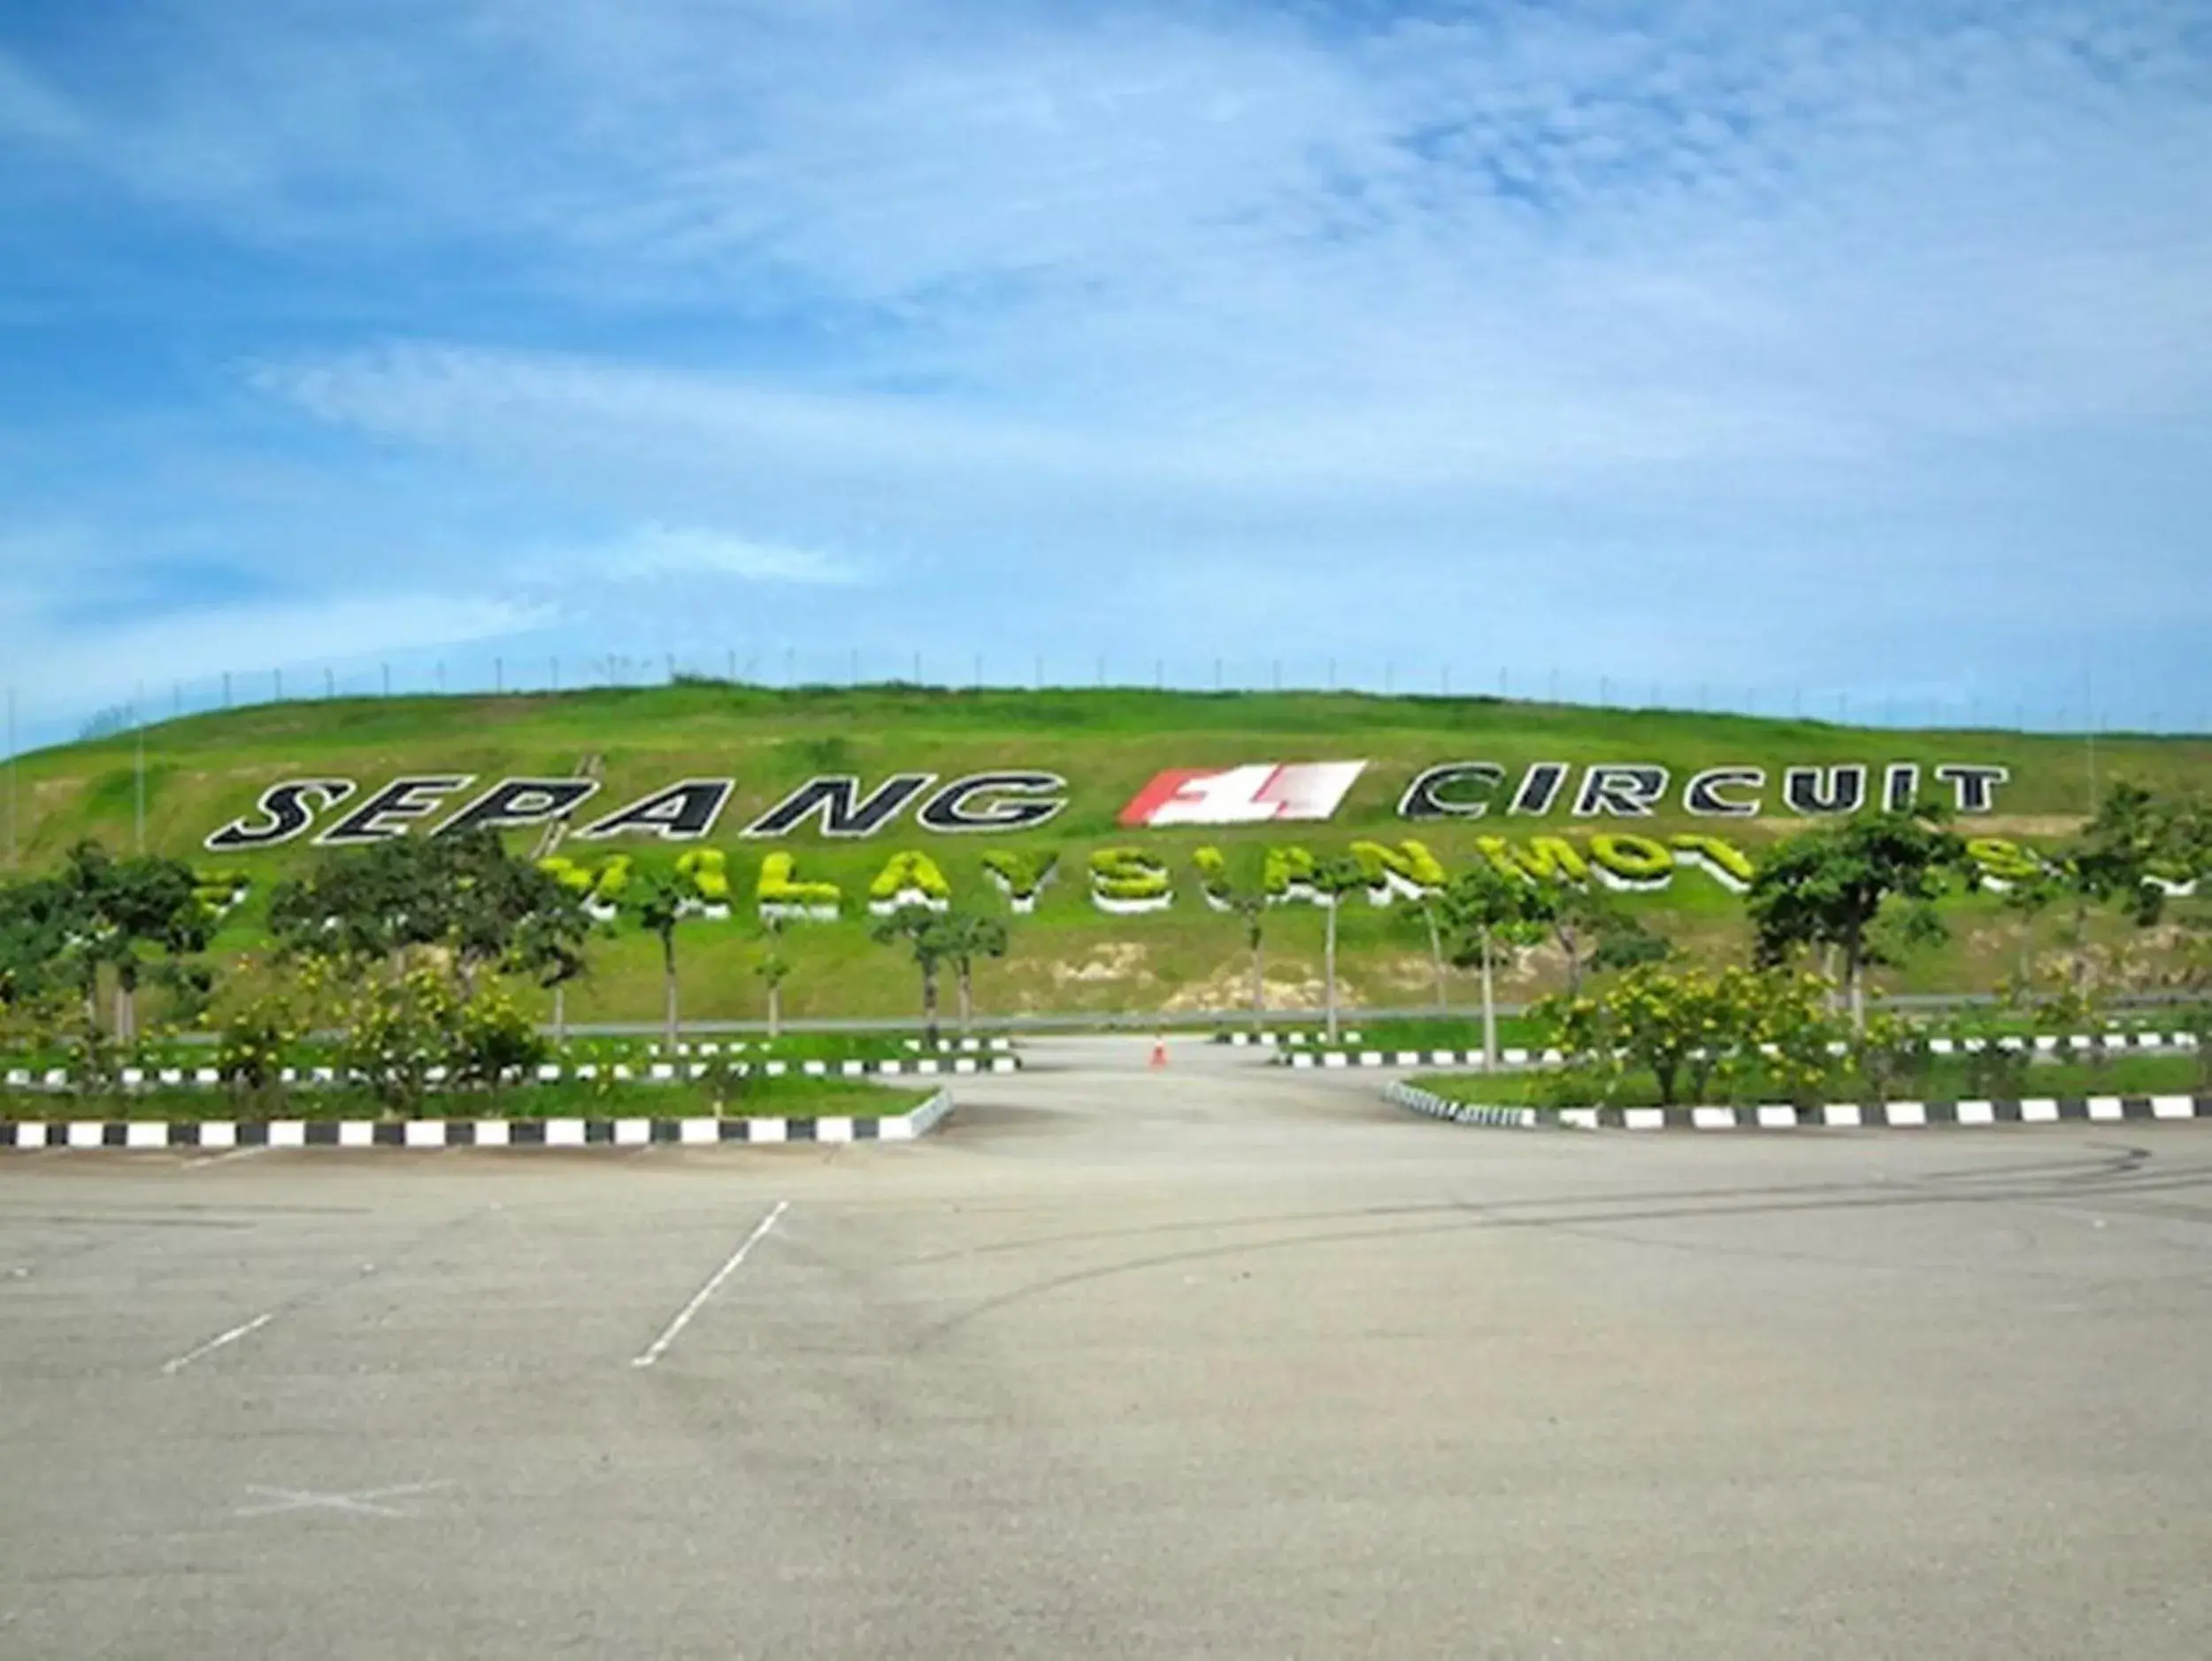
1222 1361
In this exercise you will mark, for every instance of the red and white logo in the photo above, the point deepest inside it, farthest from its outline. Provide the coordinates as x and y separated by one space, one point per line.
1254 795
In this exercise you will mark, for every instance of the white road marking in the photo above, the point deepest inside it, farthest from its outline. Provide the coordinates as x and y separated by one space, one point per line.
277 1500
217 1343
217 1159
659 1346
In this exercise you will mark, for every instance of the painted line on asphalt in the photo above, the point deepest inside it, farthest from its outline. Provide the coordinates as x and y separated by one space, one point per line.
659 1346
217 1159
217 1343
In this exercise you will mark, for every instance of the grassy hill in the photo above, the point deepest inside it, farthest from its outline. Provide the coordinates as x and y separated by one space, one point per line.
206 770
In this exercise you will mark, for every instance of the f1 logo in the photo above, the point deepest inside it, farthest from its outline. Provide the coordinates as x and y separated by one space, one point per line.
1259 794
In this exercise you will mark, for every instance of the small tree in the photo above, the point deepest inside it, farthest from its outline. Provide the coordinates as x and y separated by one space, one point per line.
658 905
1660 1019
124 906
772 970
1333 879
1484 908
396 1030
1826 887
2128 856
968 935
486 901
549 945
2027 896
1250 907
1429 907
356 907
41 927
494 1040
920 929
1594 931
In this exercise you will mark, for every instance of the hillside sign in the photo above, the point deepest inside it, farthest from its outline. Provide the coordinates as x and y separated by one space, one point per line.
1016 799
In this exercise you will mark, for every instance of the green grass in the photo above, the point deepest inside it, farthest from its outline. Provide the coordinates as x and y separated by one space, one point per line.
1527 1033
205 770
635 1051
759 1098
1944 1079
1443 1032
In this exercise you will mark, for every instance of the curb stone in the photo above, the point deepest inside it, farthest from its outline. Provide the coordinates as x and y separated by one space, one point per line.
158 1133
1461 1112
57 1079
2043 1044
2032 1110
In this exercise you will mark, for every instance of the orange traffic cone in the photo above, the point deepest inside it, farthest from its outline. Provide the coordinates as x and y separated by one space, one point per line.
1159 1050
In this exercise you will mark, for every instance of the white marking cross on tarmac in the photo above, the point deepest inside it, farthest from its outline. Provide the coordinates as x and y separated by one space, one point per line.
275 1500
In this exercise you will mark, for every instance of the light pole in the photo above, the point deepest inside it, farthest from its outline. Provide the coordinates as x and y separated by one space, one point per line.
11 778
138 770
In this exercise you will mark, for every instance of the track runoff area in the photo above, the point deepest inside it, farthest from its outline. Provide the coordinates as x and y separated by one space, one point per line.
1214 1360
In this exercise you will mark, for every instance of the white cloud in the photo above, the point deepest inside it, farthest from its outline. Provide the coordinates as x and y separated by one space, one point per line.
666 550
64 668
1731 299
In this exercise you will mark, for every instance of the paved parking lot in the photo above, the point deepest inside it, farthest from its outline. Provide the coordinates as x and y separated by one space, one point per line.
1225 1361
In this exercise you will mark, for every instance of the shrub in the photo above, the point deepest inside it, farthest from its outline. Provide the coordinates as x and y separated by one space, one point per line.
250 1047
1721 861
219 890
1129 880
601 886
1754 1032
1287 872
779 893
905 874
1625 861
493 1040
1213 874
2000 864
1785 1037
1891 1050
575 877
1019 876
396 1030
707 871
1410 869
1542 859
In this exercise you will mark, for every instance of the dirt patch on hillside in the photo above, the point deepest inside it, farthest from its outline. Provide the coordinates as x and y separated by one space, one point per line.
1117 961
1230 987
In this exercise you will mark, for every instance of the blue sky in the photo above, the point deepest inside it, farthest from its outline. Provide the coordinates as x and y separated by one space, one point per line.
1790 352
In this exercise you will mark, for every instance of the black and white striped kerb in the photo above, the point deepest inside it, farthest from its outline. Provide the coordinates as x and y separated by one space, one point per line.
1460 1112
554 1072
2045 1110
2048 1044
155 1134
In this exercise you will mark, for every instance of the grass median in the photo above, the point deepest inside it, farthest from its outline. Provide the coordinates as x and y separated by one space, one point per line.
1944 1079
758 1098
